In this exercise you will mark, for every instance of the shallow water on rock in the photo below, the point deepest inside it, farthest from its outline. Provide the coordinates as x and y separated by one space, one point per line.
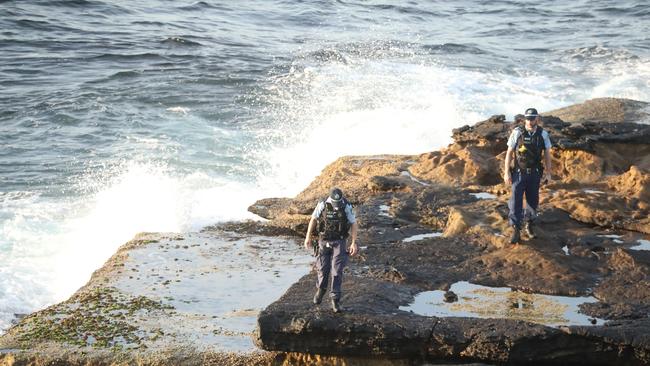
502 302
614 237
217 284
384 210
421 237
484 196
643 245
592 191
409 175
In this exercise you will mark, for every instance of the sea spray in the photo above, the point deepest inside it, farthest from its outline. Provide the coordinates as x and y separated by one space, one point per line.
113 124
319 111
62 243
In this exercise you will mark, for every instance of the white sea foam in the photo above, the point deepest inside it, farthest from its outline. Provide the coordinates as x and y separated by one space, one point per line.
380 106
317 112
181 110
50 248
646 118
626 79
611 72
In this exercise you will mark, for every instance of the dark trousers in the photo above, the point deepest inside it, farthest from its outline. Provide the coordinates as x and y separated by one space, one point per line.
331 259
524 182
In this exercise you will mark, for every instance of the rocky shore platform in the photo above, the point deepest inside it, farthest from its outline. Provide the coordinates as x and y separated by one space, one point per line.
436 280
166 299
430 221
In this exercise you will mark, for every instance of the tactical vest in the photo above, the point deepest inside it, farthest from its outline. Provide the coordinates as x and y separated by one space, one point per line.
528 152
333 223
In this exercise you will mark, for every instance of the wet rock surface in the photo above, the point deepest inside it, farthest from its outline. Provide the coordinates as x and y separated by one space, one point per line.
426 222
590 216
166 299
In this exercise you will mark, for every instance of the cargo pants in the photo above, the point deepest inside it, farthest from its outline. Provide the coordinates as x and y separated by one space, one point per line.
524 181
332 258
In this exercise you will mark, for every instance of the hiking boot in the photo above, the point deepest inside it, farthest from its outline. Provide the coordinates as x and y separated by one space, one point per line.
336 306
528 229
516 237
318 297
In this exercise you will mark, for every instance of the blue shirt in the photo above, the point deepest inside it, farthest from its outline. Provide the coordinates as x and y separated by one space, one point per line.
321 206
514 136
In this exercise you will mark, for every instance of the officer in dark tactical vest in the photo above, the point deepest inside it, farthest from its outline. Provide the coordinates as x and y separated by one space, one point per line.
525 146
333 220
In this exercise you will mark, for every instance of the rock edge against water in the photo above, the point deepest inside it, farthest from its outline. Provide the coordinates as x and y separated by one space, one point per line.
591 216
602 170
165 299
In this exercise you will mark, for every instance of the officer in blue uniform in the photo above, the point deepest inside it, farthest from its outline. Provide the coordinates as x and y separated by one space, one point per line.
525 146
333 220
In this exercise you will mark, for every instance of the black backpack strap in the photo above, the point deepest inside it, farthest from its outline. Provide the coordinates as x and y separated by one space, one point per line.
542 147
344 205
541 137
347 221
344 202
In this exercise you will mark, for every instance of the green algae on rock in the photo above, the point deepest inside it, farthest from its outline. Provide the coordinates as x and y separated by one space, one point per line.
99 317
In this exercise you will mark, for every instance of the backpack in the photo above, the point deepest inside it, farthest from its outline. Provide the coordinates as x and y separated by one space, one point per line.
528 151
333 223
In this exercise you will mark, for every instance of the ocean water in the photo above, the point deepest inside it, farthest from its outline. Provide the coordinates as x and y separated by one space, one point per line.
119 117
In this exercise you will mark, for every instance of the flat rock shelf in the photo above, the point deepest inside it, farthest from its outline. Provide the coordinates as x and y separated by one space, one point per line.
436 280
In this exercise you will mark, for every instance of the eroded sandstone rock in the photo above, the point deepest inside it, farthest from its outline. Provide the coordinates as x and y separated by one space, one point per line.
426 223
425 227
633 183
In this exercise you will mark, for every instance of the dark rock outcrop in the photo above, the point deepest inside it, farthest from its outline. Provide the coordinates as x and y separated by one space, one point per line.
427 223
601 169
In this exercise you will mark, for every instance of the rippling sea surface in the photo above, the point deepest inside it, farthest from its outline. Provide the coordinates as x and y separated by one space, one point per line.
118 117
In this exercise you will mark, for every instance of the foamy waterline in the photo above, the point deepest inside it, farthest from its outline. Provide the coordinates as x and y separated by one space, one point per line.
55 245
318 112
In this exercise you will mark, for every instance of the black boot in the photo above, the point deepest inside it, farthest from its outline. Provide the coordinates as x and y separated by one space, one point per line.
318 297
528 229
516 237
336 306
